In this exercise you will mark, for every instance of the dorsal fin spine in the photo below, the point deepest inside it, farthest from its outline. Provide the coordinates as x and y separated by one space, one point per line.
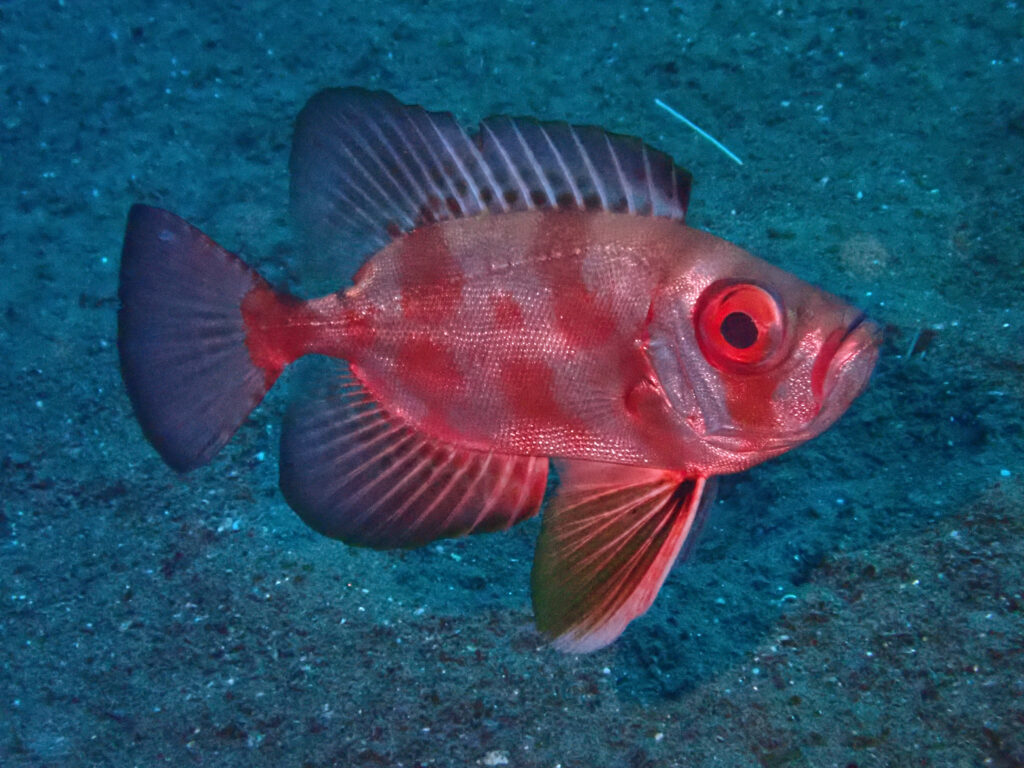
549 191
456 161
439 162
413 189
371 178
577 195
622 177
647 175
402 189
471 183
423 194
492 182
344 193
594 175
523 190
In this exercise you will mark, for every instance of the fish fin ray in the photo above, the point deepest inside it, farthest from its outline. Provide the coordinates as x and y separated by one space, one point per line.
582 166
365 166
182 337
428 489
565 176
620 176
463 156
601 558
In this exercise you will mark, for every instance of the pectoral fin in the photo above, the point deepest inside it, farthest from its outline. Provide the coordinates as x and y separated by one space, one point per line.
608 540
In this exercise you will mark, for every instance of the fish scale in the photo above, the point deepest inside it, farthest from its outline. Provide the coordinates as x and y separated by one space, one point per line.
527 384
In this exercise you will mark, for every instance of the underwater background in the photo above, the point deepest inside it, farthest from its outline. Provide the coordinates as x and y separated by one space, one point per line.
858 602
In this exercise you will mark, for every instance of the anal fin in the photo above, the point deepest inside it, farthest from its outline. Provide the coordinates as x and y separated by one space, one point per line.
354 472
607 542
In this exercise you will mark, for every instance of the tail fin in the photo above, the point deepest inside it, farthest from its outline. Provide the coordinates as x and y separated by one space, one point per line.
185 357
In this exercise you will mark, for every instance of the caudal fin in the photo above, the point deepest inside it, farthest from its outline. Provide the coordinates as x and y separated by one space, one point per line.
182 337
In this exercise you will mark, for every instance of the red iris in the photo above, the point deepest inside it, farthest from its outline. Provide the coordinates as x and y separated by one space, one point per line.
740 326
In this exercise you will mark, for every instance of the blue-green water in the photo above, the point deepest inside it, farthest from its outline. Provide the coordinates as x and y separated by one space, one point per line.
857 602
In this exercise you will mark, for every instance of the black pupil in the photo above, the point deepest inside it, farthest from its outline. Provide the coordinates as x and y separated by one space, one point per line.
738 330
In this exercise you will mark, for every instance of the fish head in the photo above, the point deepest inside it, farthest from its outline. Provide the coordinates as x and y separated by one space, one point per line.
753 360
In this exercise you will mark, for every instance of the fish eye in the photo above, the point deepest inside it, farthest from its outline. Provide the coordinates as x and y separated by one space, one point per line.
740 326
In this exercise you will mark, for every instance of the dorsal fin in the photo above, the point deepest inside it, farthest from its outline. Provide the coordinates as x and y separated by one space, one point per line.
558 165
365 168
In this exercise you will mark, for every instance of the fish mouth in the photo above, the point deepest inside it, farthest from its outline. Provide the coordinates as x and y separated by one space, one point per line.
849 367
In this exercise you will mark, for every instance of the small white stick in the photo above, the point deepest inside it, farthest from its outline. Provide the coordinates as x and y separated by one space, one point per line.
913 345
702 132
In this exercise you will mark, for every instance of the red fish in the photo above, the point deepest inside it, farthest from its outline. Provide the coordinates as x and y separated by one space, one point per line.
532 297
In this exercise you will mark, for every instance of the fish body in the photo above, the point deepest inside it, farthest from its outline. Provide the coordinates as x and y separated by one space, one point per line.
533 296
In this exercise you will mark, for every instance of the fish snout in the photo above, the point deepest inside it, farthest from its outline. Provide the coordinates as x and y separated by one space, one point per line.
853 356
